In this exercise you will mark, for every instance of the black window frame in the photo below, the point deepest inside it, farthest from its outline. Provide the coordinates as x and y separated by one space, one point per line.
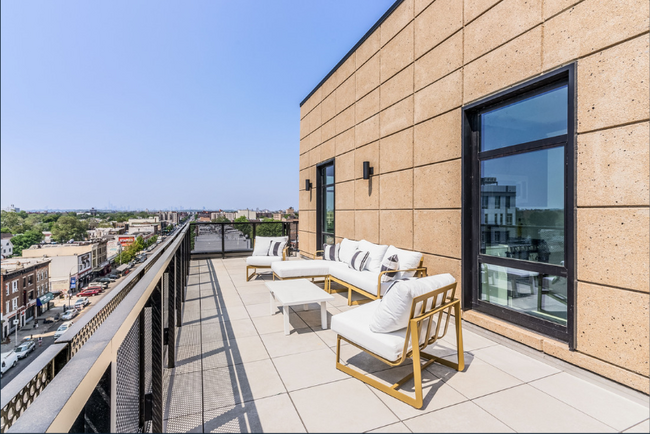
471 205
320 191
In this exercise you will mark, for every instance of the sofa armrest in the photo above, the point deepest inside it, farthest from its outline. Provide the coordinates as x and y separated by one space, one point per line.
284 252
422 271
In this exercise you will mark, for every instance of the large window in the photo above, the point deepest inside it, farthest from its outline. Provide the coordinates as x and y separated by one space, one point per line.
518 162
325 205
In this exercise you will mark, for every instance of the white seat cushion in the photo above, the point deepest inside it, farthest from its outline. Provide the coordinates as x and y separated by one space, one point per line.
406 258
287 269
262 261
354 326
377 253
395 308
365 280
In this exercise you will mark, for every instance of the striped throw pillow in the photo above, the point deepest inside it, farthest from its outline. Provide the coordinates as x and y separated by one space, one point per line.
359 259
331 252
275 248
390 263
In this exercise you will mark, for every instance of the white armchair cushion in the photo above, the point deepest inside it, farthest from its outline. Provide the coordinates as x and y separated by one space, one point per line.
354 326
262 261
377 253
407 260
262 244
348 247
395 308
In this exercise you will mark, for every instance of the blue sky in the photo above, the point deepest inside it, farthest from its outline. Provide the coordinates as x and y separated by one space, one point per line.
163 104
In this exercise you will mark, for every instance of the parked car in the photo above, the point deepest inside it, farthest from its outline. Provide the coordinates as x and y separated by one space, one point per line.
114 275
106 280
62 329
103 285
9 360
81 303
69 314
89 292
100 287
25 348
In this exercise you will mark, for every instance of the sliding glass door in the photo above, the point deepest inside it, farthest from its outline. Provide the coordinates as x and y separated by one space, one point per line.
325 205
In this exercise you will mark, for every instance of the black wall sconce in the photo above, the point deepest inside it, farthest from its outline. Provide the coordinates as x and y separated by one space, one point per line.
367 170
307 185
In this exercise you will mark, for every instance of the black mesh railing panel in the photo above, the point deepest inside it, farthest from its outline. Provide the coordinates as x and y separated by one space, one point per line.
128 382
147 350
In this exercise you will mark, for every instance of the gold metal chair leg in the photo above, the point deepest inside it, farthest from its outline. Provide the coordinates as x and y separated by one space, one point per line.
459 338
248 278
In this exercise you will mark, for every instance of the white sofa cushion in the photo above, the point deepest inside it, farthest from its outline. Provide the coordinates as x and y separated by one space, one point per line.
377 253
354 326
262 261
407 260
348 247
393 311
262 244
286 269
365 280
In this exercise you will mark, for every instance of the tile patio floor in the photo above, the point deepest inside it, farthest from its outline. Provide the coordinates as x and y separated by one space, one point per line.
238 372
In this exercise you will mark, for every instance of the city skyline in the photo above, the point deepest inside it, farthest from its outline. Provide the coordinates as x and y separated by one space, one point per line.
182 102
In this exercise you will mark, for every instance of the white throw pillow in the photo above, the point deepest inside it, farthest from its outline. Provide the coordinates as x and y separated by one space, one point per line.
276 248
348 247
395 307
359 260
331 252
406 258
262 244
388 265
377 253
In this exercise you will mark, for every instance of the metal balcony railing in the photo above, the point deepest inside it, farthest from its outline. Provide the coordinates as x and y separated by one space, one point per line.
210 239
105 374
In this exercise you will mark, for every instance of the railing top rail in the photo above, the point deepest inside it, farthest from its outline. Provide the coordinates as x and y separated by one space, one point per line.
60 403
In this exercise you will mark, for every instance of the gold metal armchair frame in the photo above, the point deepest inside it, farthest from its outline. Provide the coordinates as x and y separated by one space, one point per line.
420 321
255 267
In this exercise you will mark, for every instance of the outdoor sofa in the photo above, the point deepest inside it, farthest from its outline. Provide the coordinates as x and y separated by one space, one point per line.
266 251
335 267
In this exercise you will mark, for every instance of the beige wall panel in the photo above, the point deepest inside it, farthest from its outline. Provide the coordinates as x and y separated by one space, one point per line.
438 139
344 195
613 167
302 239
328 87
345 120
612 247
420 5
440 61
304 200
328 108
500 24
553 7
367 77
366 226
396 190
367 131
613 326
396 228
397 54
315 138
366 153
315 119
613 86
304 127
436 23
306 174
311 243
311 221
328 130
328 150
345 142
397 20
590 26
513 62
397 117
304 161
438 185
366 193
396 151
474 8
367 106
439 265
344 224
344 167
304 145
345 70
345 94
397 88
369 47
312 102
443 95
437 232
314 155
305 217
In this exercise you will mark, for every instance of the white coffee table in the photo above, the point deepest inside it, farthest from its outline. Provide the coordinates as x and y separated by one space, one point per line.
296 292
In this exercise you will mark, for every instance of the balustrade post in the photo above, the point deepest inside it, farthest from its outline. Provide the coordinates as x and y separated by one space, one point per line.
157 359
171 315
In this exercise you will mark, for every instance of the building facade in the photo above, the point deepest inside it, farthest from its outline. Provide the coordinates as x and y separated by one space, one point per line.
25 291
71 264
7 247
508 142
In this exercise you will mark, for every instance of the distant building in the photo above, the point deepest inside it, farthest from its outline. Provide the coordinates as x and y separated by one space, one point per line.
149 225
7 247
25 288
249 214
290 210
168 217
47 237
